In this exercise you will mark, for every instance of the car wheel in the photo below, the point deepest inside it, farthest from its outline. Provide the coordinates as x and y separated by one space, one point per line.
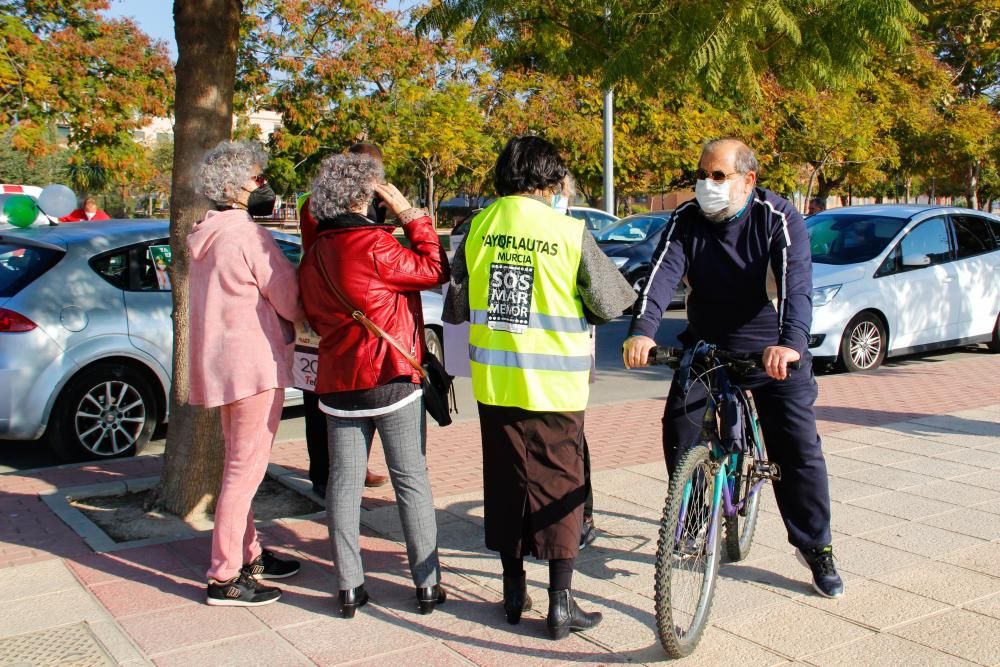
863 346
994 344
106 411
433 340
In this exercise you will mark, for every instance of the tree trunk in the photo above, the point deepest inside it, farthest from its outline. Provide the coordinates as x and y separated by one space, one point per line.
972 185
207 34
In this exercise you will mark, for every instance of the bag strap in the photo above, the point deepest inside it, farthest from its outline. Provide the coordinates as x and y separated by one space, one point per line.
375 329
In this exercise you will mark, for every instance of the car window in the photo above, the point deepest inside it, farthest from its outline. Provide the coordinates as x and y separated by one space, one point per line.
838 238
113 267
929 238
995 226
150 263
21 264
633 228
972 235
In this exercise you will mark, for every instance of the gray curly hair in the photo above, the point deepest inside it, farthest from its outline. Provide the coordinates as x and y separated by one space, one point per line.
225 169
344 182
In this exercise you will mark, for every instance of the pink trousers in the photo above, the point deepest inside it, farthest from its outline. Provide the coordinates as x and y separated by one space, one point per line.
249 426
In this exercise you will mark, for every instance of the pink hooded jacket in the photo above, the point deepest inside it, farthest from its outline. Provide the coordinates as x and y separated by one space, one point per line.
244 297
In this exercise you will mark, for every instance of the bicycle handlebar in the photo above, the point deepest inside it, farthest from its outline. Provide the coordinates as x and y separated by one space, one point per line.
671 356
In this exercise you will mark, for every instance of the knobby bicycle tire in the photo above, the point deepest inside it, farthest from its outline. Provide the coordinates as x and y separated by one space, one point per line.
679 635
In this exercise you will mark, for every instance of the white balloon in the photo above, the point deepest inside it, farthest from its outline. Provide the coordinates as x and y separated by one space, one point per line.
56 200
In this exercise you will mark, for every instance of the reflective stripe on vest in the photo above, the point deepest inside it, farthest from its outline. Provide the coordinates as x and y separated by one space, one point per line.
529 342
527 360
540 321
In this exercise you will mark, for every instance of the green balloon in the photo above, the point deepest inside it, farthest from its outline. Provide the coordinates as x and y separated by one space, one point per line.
20 210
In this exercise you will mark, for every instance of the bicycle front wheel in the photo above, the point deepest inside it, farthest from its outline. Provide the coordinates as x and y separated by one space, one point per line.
687 554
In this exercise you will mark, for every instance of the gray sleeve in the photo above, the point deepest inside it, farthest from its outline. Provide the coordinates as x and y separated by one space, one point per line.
604 291
456 303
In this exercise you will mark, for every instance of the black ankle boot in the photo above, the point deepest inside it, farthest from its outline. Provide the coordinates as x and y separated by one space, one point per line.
351 599
565 615
515 597
429 596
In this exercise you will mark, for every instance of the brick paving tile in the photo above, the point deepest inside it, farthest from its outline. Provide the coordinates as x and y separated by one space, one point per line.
262 648
958 632
941 581
167 630
886 651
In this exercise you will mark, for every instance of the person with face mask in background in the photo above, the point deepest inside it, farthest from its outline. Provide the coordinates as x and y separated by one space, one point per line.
744 254
529 280
86 213
244 301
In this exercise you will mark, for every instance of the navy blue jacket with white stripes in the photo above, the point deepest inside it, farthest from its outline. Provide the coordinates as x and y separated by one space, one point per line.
749 279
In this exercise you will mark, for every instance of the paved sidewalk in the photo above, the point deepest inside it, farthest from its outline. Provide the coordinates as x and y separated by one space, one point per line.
914 458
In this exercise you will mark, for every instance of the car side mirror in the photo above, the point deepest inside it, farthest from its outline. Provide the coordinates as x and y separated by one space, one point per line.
916 260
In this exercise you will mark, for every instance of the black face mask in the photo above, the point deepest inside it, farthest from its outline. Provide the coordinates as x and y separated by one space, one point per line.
261 201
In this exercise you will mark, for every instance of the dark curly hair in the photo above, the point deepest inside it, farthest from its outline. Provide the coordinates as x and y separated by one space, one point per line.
527 164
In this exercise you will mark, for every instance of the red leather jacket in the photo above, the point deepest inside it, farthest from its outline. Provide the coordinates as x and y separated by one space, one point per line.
382 279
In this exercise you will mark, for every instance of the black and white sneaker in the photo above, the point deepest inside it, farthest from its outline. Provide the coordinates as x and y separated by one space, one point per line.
241 591
269 566
826 581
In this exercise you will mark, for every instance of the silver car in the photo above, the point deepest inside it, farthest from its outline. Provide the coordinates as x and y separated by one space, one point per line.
86 336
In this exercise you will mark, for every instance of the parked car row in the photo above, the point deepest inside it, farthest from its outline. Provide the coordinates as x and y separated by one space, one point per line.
86 330
86 335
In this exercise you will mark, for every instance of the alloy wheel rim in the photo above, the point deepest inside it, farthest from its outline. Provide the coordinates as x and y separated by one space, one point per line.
110 418
866 344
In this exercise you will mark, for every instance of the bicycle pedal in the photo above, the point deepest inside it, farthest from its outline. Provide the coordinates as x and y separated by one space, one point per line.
767 470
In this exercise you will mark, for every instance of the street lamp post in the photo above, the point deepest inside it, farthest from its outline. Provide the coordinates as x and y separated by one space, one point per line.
609 152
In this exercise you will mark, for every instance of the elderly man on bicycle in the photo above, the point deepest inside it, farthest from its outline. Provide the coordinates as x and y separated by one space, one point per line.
744 253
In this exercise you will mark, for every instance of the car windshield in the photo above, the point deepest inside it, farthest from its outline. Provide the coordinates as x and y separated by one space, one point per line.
850 238
634 228
20 264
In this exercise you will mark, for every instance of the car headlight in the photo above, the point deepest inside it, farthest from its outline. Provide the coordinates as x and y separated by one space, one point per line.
619 262
824 295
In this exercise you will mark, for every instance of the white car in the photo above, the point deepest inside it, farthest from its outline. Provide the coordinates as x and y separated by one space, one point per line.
893 280
595 220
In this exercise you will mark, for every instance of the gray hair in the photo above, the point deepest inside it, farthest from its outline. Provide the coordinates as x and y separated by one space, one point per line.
745 158
226 168
344 182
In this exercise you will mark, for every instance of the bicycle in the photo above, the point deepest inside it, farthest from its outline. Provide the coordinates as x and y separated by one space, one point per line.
718 478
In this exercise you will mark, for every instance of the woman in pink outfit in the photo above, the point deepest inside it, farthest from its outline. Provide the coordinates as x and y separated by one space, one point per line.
244 299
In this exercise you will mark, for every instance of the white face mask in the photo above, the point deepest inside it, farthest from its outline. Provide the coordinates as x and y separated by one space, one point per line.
560 203
712 197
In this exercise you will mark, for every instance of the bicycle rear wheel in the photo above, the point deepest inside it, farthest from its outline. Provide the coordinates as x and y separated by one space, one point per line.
687 554
740 527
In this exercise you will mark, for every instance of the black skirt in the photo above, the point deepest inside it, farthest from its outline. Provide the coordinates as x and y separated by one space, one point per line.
533 486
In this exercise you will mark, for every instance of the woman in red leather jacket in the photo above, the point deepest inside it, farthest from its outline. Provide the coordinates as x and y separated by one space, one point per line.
364 384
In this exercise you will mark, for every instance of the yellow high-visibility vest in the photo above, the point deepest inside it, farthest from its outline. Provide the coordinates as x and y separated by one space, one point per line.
529 342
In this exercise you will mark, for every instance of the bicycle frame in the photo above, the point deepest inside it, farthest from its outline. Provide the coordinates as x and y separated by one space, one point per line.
724 489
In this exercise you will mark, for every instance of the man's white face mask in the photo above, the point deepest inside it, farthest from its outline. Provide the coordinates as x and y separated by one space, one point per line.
712 197
560 203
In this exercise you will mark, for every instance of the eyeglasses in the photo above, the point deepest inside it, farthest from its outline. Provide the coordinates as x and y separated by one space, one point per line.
259 179
717 176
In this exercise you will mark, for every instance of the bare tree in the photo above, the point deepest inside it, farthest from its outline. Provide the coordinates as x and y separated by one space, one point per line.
208 33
